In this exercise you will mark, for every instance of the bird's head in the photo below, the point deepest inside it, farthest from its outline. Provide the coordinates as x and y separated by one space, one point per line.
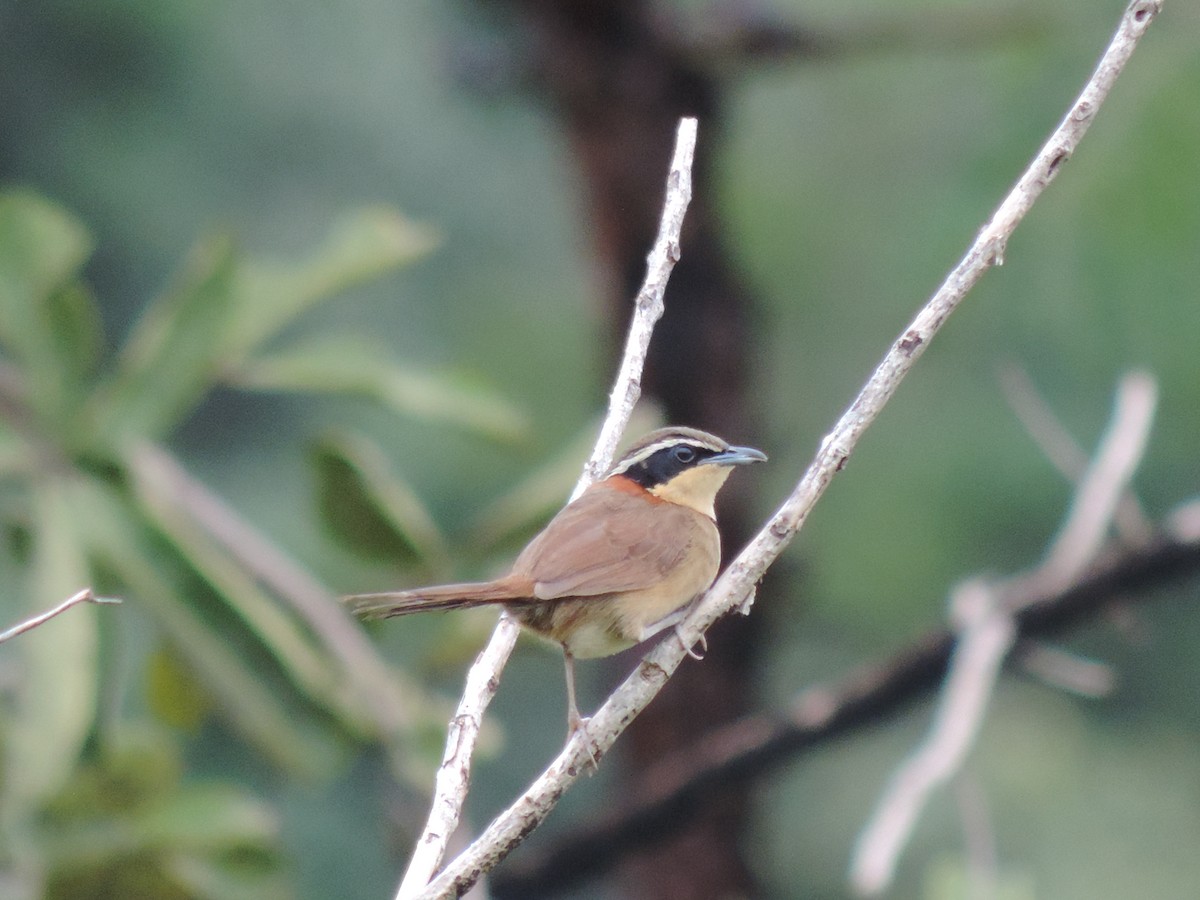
683 465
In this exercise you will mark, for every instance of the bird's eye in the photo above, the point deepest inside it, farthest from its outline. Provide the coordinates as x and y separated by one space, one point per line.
684 454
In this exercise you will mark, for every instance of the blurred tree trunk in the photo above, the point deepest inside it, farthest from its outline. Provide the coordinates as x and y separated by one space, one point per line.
619 86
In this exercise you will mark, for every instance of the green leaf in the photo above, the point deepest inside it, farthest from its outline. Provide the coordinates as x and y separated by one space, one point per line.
56 700
228 878
172 357
349 366
41 248
125 827
305 665
173 692
17 456
361 245
242 694
949 878
209 817
133 767
370 693
79 334
372 509
48 322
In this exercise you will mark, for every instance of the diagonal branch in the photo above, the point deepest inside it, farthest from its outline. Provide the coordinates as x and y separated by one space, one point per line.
756 745
735 587
454 774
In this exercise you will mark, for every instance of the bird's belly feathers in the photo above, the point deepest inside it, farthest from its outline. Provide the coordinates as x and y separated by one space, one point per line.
605 624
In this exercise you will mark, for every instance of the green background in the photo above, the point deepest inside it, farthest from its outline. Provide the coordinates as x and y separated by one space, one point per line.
850 186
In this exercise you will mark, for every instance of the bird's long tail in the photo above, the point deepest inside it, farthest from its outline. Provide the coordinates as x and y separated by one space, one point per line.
440 597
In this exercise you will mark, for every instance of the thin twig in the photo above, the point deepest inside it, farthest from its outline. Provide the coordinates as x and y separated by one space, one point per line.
1183 522
1067 671
454 774
453 777
988 629
648 309
986 635
1041 424
736 583
1063 451
84 596
1105 481
979 838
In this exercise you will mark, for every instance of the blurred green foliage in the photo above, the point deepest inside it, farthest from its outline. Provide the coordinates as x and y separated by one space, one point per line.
248 634
850 185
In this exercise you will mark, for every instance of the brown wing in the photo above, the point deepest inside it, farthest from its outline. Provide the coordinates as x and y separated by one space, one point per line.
610 541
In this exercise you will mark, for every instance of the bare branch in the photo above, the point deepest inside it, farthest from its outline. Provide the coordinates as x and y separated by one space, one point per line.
987 629
983 865
1063 451
1067 671
1184 521
1105 481
454 775
736 584
986 635
648 309
84 596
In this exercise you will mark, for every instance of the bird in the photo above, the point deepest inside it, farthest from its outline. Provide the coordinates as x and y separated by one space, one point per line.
617 565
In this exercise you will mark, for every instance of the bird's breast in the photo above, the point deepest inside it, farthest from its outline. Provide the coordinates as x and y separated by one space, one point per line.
637 610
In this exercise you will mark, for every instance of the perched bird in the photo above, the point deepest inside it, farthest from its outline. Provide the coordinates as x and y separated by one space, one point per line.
618 564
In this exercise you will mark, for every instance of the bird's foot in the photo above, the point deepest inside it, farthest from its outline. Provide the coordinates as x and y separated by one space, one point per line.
690 649
577 723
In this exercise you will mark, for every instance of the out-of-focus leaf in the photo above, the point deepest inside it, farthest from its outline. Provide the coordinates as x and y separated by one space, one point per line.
229 877
193 818
373 510
129 879
280 633
361 245
176 347
134 767
207 817
369 690
114 536
18 457
522 510
174 694
48 322
57 696
125 827
951 879
349 366
77 329
41 247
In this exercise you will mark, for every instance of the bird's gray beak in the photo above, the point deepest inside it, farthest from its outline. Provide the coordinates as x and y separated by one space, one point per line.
737 456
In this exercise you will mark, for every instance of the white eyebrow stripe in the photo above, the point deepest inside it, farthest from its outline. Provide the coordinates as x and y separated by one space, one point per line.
646 452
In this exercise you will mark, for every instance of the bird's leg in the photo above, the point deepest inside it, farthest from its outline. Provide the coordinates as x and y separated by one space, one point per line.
576 722
673 620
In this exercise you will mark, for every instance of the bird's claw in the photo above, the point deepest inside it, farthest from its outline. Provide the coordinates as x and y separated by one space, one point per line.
690 649
578 723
